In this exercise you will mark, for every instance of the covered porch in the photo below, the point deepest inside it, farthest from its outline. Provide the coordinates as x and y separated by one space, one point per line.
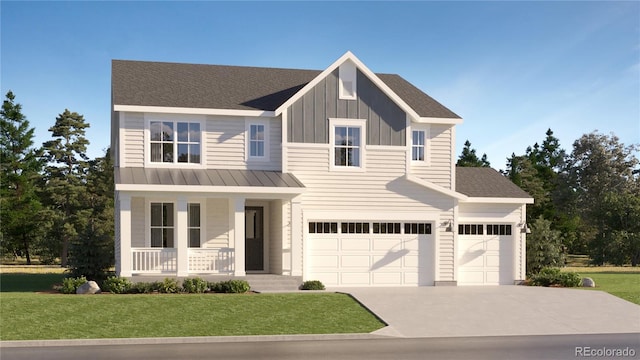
185 222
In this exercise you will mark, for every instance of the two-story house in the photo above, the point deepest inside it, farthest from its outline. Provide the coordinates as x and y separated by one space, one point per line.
341 175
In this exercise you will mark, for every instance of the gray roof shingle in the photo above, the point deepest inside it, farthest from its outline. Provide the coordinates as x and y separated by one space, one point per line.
486 182
234 87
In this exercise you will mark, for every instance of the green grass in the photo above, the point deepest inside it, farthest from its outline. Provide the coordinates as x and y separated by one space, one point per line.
623 285
26 315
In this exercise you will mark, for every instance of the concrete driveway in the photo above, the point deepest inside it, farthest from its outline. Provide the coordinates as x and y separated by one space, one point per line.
497 311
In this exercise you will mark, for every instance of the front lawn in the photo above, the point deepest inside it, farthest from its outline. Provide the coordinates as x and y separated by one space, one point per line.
623 285
26 315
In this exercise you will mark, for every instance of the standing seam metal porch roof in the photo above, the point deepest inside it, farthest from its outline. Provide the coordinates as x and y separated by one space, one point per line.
206 177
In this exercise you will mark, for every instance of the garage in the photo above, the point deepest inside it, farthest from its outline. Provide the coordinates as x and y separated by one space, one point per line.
370 253
485 254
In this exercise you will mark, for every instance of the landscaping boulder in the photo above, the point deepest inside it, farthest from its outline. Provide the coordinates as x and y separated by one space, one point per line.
588 282
90 287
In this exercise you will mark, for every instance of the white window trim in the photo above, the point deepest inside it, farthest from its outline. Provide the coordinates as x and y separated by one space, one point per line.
427 143
247 142
147 220
347 71
175 118
337 122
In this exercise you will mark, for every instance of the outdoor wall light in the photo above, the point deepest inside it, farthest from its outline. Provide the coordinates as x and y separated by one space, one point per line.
525 229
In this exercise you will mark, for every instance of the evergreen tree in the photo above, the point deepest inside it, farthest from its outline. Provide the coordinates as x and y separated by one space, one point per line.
468 157
92 252
19 202
544 246
66 180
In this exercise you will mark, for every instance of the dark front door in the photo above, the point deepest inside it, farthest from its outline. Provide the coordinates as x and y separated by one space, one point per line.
254 239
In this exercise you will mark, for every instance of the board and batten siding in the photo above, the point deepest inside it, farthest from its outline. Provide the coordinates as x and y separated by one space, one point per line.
439 157
307 118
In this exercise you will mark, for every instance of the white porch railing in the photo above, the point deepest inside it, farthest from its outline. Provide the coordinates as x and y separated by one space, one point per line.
153 260
210 261
165 260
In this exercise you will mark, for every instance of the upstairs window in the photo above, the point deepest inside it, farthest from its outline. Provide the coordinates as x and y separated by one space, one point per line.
347 146
256 140
175 142
418 145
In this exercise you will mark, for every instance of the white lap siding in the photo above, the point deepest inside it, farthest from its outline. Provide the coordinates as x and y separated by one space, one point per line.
439 157
133 139
379 191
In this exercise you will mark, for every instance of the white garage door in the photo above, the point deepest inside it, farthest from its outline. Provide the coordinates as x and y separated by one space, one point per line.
485 254
362 254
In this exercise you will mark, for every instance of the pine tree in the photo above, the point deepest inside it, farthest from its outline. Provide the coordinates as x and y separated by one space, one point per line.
19 202
66 179
468 158
92 252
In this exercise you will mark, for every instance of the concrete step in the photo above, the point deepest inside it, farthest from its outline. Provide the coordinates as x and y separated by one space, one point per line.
273 283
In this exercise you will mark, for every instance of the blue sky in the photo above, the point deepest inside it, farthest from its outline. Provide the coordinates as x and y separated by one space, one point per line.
510 69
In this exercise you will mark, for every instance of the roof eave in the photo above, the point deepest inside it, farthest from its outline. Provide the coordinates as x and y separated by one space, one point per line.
498 200
193 111
436 120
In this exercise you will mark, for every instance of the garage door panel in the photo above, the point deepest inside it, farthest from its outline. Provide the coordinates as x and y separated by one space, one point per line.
355 278
351 244
387 278
348 261
493 244
387 261
324 261
387 244
492 261
329 244
414 244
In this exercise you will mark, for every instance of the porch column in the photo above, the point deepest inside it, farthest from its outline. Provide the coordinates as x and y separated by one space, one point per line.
236 234
123 262
297 242
182 246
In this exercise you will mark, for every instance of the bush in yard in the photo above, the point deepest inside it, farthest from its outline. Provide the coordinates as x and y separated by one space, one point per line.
71 284
145 287
117 285
554 277
230 287
195 285
312 285
169 286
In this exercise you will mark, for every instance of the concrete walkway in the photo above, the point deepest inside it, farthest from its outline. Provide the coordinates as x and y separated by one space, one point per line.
497 311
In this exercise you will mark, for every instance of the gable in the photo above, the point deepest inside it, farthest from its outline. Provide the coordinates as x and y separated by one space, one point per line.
307 118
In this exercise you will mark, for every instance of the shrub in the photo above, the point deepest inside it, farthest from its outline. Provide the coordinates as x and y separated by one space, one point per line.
230 287
195 285
144 287
553 276
312 285
71 284
117 285
169 286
